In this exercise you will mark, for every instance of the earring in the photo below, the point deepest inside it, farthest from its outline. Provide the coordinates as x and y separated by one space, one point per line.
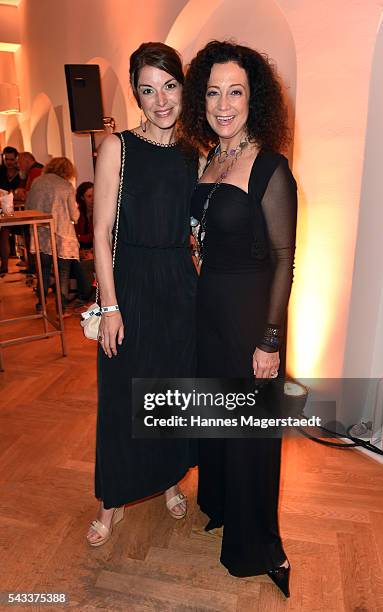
142 124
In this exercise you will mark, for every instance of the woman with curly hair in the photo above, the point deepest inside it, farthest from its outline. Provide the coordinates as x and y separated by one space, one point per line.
245 206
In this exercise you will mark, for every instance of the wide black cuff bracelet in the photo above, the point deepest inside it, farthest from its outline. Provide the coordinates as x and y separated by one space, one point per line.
271 337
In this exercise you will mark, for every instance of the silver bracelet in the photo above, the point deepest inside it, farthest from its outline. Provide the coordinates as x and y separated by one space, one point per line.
109 308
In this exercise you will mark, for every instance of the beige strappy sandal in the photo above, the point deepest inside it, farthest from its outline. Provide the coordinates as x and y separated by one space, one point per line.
102 530
174 501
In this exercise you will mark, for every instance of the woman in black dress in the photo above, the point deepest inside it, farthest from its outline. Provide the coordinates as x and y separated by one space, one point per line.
153 284
245 203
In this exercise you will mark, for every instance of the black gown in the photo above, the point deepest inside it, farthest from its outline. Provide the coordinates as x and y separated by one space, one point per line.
244 285
155 283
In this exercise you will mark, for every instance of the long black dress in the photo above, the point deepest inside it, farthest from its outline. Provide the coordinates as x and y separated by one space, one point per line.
244 285
155 282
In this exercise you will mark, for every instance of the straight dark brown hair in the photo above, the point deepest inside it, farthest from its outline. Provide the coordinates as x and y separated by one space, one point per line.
157 55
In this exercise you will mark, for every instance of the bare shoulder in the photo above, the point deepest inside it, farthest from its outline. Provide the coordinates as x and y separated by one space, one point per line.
111 144
109 152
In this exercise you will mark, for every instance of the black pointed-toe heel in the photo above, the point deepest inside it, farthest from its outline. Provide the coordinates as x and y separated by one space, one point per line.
213 524
281 577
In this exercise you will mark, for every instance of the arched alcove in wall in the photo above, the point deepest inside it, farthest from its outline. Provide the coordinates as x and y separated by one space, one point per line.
13 133
112 93
45 132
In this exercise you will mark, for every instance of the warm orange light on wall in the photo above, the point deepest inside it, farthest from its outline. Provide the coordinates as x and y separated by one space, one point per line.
9 99
310 320
319 301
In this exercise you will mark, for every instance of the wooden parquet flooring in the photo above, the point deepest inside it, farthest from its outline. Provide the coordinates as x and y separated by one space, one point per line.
331 507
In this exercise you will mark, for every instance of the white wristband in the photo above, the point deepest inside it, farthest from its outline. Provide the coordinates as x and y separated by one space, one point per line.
109 308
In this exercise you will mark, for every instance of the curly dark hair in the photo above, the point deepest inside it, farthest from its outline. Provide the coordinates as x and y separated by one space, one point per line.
267 120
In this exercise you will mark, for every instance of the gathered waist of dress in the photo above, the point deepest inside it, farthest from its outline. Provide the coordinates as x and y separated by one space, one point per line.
230 267
167 247
233 258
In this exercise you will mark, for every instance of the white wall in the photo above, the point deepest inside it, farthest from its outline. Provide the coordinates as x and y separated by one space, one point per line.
364 348
334 44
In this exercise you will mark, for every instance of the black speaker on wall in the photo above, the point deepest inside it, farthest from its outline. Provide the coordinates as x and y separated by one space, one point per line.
84 96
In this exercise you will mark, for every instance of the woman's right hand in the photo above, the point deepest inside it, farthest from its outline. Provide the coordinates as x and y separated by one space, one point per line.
111 332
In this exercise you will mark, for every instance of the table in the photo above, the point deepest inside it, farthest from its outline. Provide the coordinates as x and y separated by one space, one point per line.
35 218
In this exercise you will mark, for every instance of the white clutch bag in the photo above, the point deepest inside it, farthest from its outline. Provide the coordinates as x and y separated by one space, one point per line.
91 321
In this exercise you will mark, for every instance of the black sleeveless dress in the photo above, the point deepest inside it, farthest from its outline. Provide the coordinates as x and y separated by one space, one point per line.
155 282
244 285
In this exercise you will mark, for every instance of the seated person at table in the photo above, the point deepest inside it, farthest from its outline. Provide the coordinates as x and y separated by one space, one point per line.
29 170
84 226
83 270
9 181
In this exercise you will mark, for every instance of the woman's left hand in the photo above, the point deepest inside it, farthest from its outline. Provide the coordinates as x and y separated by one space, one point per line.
265 365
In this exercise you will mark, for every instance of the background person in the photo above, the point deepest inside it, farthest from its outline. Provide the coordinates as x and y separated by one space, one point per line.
29 170
84 225
83 270
53 193
9 181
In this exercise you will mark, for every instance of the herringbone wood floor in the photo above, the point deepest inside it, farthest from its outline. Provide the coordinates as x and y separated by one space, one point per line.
331 507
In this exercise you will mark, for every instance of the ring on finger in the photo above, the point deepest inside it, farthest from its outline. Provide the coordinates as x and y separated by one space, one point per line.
274 374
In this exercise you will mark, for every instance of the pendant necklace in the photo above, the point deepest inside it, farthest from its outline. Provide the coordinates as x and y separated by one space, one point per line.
198 228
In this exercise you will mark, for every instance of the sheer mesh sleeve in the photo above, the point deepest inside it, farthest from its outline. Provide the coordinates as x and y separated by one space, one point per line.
279 206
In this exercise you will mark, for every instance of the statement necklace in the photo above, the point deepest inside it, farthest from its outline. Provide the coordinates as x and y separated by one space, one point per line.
153 142
222 156
198 228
